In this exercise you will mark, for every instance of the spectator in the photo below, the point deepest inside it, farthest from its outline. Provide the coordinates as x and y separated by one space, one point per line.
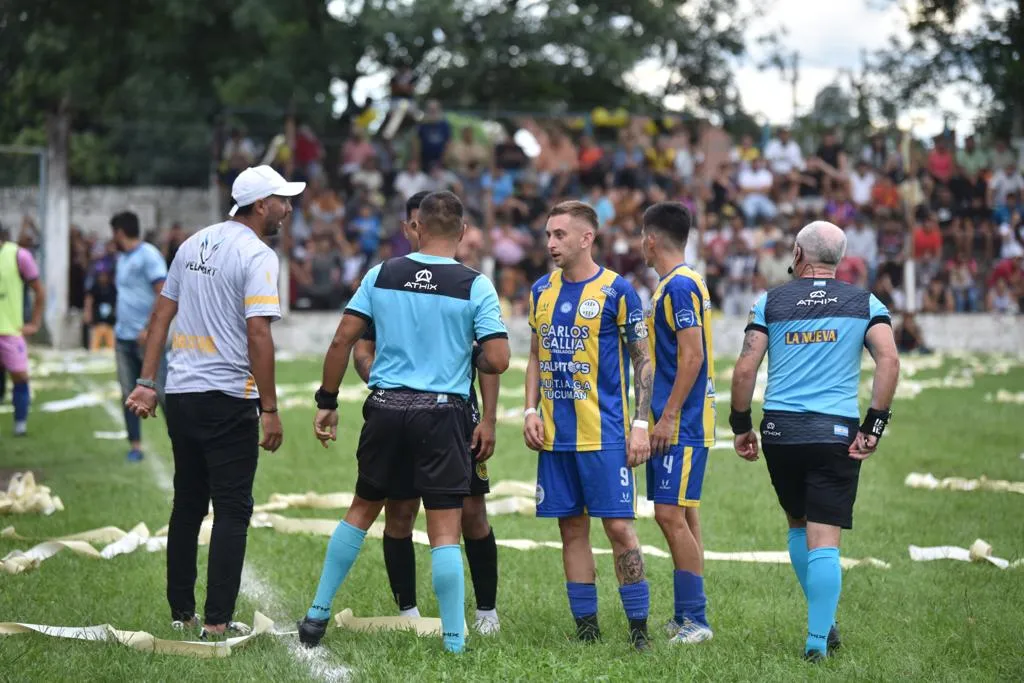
239 153
774 265
326 212
100 310
891 297
324 270
366 228
852 270
909 336
591 162
740 267
962 271
810 197
443 179
1011 235
744 153
862 243
466 151
724 192
972 160
876 155
839 209
1000 298
927 239
433 134
628 162
355 151
175 236
1004 213
941 161
411 179
1002 156
831 162
368 178
885 196
598 199
783 154
755 186
500 184
687 159
309 153
1010 269
509 156
938 298
558 162
661 161
862 182
1006 180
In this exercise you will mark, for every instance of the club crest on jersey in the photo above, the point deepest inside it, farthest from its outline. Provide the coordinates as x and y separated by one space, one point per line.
481 471
565 307
540 494
636 316
685 318
590 309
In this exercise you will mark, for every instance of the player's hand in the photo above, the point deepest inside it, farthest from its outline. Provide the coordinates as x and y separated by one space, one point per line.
142 402
143 336
863 446
483 440
28 329
533 432
661 436
638 450
746 445
325 426
273 434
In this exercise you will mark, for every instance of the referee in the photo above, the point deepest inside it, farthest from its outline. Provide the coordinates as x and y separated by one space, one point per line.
222 285
813 330
426 308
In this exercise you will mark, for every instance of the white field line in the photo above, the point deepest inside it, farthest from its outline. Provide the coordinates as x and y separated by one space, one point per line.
253 585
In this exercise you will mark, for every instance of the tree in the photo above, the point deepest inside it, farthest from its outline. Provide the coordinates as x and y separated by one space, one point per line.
975 44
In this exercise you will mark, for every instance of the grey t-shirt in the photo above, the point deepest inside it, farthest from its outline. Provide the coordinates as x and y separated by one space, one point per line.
220 277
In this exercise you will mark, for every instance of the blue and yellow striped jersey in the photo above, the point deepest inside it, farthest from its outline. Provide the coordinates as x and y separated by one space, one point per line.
680 301
582 329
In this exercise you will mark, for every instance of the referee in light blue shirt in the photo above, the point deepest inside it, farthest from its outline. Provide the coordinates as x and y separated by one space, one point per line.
427 308
814 330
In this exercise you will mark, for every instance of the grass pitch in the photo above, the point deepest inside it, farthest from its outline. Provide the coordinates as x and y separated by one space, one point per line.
942 620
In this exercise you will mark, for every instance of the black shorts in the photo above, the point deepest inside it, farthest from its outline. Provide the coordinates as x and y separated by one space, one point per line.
478 481
816 481
413 445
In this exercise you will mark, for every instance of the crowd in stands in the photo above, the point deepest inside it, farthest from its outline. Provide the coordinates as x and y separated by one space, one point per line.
955 210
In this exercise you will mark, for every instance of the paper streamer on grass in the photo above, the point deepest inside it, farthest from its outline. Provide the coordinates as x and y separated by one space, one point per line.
422 626
24 496
118 542
916 480
140 640
980 551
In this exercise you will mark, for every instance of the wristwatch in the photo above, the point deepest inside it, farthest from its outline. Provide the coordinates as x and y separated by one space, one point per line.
148 383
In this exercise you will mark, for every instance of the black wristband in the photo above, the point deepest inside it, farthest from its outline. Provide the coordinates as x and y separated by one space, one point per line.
477 351
740 421
875 422
326 400
267 410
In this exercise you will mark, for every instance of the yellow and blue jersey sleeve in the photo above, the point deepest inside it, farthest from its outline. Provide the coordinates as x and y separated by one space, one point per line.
630 315
680 303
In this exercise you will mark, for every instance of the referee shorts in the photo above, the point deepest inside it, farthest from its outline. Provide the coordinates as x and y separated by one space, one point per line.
413 445
816 481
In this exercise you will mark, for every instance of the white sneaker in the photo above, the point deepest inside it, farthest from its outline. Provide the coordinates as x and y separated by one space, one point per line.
486 623
672 627
691 632
413 612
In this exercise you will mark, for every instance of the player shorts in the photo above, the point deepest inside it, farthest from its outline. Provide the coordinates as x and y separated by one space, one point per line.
479 485
413 445
677 477
596 483
816 481
13 353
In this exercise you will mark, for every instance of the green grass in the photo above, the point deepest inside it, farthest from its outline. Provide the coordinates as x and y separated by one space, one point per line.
942 620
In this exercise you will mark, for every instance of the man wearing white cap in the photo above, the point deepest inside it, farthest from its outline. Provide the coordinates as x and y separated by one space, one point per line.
222 286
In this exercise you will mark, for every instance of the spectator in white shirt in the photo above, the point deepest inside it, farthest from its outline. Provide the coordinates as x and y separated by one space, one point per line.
862 242
756 185
783 154
411 179
862 181
1005 181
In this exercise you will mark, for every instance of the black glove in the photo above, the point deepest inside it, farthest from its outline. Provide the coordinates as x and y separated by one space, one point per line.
875 422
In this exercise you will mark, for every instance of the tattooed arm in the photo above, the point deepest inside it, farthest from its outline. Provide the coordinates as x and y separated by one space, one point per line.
643 377
744 375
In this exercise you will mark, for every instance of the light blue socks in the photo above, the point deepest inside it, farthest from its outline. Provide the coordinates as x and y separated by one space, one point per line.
341 554
450 588
798 555
824 584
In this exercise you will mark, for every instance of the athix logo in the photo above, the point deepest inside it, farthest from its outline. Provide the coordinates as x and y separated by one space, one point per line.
769 430
423 283
818 297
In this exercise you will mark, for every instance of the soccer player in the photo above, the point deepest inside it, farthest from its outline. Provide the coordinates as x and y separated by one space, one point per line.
221 291
139 277
584 320
683 408
813 330
18 269
427 308
400 515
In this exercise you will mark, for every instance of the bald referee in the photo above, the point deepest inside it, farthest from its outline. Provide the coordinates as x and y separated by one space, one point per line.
814 329
426 308
222 285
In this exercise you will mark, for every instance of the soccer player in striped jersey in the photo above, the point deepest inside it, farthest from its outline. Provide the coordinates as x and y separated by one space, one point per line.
584 320
682 407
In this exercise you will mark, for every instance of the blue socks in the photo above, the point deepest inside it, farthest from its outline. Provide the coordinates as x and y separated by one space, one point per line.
20 398
450 588
341 554
798 555
824 583
636 599
690 601
582 599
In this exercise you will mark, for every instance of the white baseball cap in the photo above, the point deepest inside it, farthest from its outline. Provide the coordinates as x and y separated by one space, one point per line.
259 182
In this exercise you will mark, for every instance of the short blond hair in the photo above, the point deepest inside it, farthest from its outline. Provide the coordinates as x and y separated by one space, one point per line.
575 209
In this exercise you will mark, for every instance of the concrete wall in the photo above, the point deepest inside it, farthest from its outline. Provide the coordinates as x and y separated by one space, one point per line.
92 207
312 332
